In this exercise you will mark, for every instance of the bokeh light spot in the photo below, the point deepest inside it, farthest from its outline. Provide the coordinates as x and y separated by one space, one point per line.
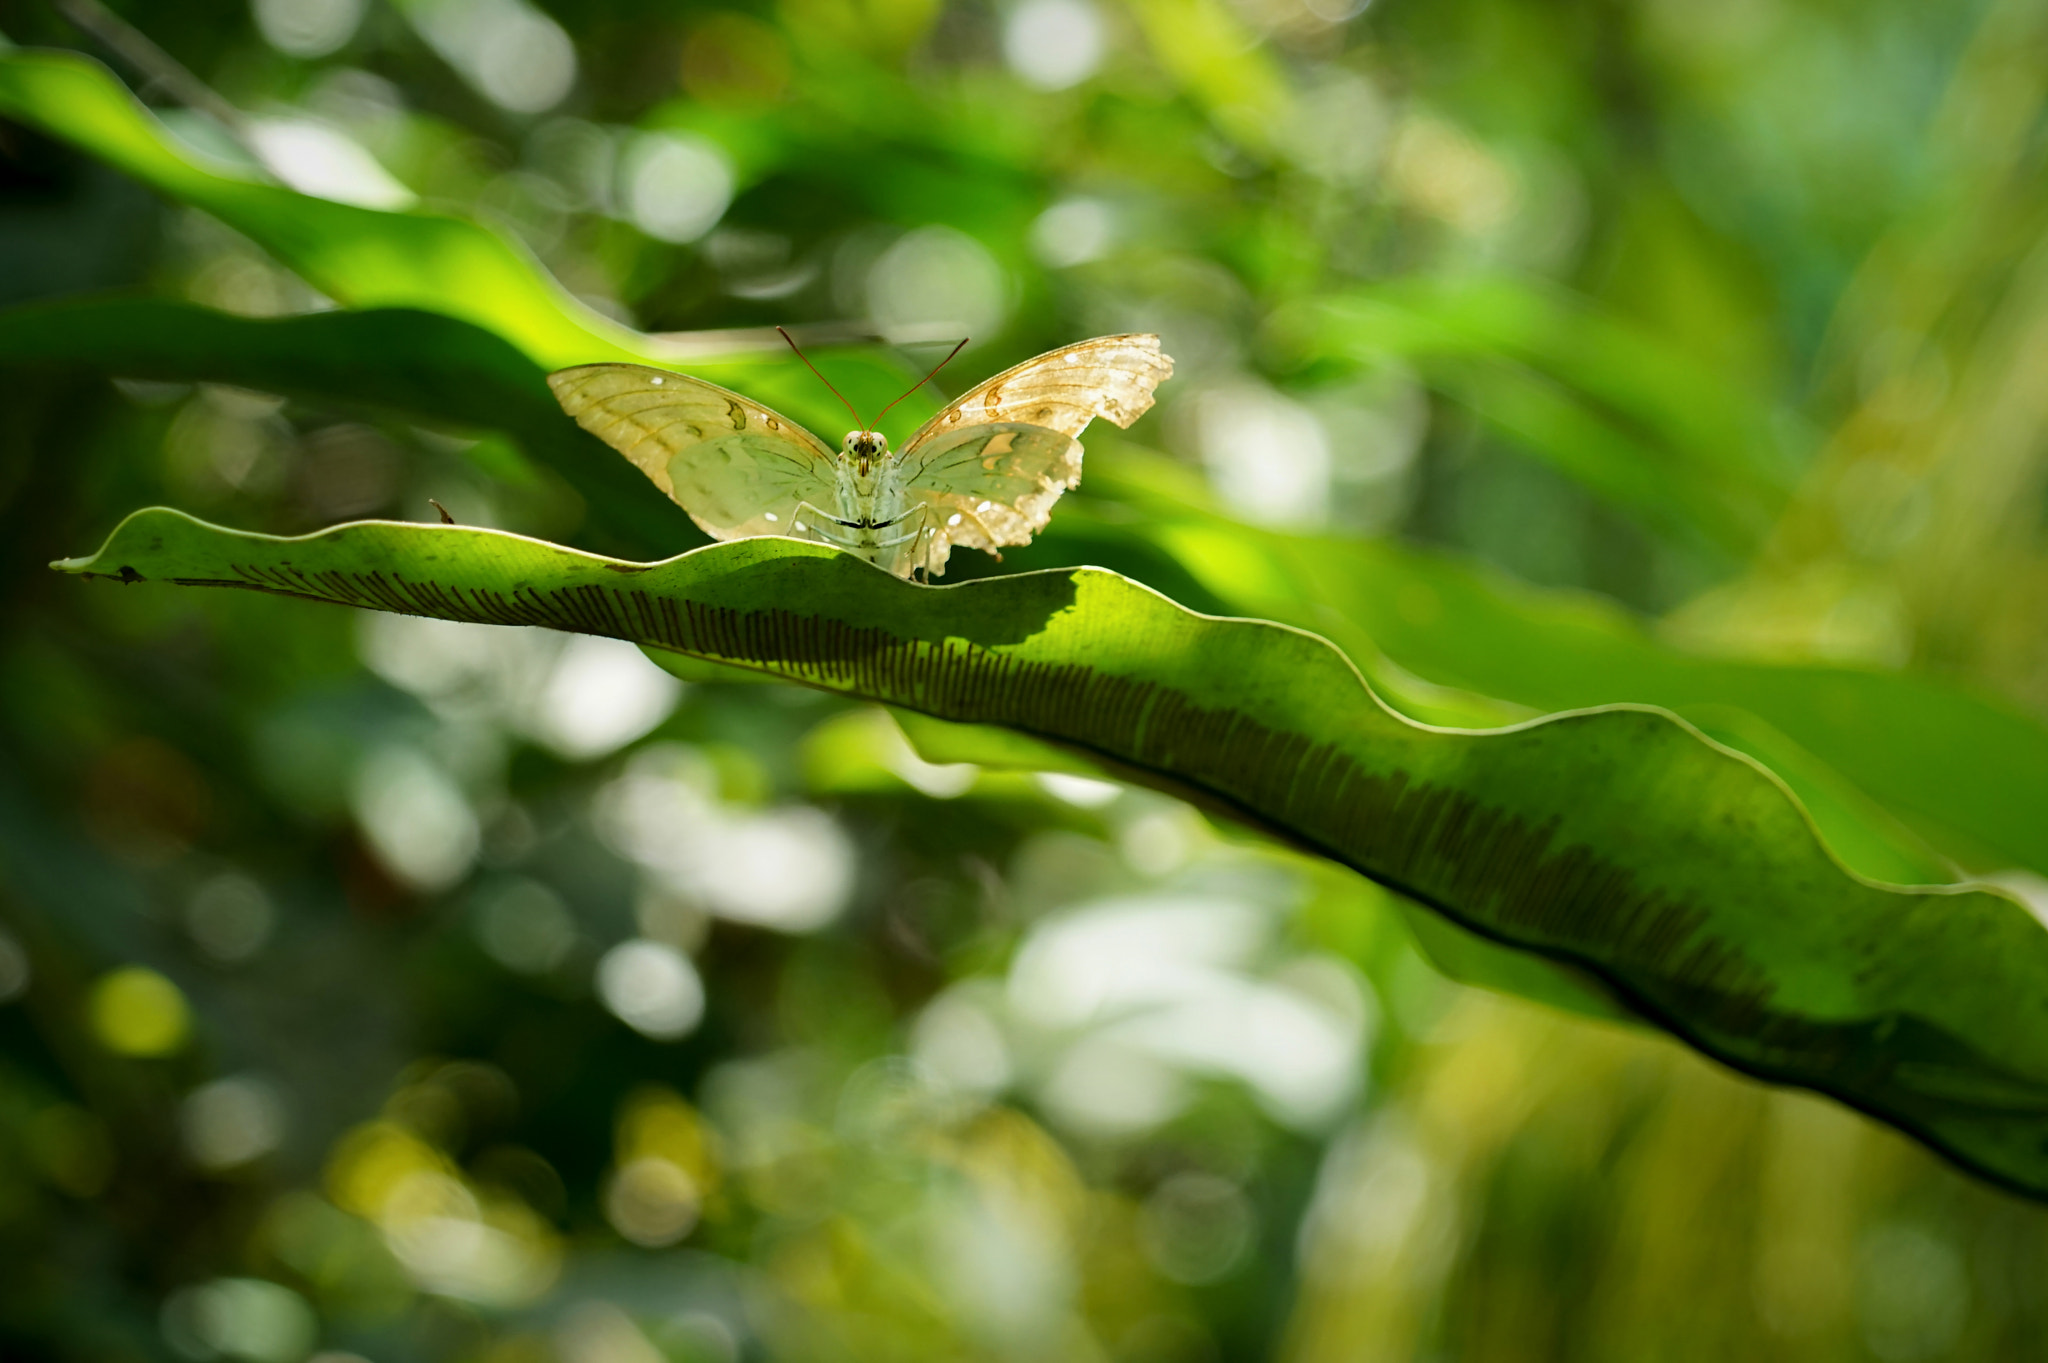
1073 232
1105 1087
326 163
1083 792
677 185
415 818
789 869
652 988
1268 456
513 54
601 695
937 281
308 28
249 1320
229 917
524 926
652 1202
15 971
960 1045
599 1332
136 1011
232 1121
1196 1227
1053 44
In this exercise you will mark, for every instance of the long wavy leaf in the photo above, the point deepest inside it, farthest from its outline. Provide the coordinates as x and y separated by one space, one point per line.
1618 840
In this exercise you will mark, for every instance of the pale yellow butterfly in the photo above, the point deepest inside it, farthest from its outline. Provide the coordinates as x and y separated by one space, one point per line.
984 472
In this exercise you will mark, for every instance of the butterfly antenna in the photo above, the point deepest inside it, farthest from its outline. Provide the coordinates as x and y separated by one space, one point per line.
927 378
858 423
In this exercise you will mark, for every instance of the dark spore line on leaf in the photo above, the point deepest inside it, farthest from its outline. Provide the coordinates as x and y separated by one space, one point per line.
1456 850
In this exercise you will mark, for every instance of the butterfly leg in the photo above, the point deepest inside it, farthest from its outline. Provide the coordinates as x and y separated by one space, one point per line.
922 541
928 533
812 523
862 539
890 550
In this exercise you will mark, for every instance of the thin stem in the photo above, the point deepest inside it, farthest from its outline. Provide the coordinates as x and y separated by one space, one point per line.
136 48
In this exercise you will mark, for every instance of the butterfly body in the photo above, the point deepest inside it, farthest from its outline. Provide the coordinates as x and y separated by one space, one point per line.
871 514
984 472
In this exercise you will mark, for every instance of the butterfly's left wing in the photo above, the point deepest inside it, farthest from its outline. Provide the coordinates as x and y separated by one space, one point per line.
737 467
990 466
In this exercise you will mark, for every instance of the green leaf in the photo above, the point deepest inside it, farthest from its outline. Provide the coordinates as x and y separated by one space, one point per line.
361 257
1681 875
419 365
942 741
1966 772
424 366
1470 958
1683 451
371 258
374 258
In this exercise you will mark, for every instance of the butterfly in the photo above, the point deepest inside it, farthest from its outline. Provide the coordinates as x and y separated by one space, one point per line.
984 472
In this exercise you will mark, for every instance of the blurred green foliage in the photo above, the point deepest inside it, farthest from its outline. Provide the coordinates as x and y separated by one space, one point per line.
420 993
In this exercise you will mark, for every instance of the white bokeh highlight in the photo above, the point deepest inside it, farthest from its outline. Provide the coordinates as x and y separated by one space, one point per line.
1054 44
1073 232
582 696
600 695
937 281
510 53
1268 457
250 1320
1082 792
1126 1000
676 185
958 1041
325 162
308 28
790 868
415 818
231 1122
652 988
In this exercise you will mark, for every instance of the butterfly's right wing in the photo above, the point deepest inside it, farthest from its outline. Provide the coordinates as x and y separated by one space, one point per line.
738 468
989 467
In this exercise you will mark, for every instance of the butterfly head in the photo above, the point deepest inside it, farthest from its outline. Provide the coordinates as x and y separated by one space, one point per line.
865 449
